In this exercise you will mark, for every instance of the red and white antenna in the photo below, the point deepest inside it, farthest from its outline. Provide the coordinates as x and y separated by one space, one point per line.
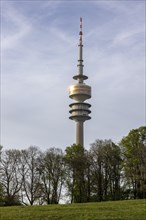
81 33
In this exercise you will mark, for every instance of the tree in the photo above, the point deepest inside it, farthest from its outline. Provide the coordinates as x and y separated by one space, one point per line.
10 176
76 166
1 187
52 175
105 170
31 187
134 156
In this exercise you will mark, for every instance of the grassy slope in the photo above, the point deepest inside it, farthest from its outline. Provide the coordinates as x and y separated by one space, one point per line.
119 210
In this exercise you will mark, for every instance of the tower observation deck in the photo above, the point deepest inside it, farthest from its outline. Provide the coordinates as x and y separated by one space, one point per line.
80 92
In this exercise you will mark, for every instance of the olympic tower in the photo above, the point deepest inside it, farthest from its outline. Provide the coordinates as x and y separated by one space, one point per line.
80 92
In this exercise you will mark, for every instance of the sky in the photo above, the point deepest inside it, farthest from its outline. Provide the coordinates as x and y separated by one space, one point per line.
39 52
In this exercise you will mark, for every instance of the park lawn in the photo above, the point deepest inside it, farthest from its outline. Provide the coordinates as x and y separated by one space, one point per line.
115 210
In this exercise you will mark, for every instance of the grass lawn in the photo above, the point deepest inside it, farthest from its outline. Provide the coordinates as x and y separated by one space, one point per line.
118 210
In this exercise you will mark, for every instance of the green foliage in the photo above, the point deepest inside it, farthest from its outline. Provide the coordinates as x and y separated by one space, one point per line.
52 175
134 162
1 195
119 210
76 164
12 200
105 170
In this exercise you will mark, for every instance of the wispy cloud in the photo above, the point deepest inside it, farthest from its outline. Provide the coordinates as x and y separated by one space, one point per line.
39 59
12 36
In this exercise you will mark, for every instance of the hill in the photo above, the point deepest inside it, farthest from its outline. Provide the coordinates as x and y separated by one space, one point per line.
117 210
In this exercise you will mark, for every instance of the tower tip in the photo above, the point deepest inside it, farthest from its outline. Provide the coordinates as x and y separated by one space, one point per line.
80 33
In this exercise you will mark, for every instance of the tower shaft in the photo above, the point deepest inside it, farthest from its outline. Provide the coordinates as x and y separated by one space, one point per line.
80 133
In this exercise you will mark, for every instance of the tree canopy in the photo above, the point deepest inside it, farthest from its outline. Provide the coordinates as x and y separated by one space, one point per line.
107 171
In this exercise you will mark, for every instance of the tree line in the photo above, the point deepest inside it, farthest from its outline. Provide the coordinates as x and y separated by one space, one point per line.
107 171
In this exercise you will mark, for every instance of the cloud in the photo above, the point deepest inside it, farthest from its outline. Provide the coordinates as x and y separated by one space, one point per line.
12 36
39 58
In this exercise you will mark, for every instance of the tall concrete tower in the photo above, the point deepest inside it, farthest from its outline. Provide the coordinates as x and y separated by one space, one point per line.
80 92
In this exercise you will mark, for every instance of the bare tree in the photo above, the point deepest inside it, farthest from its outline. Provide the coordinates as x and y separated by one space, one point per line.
30 174
11 180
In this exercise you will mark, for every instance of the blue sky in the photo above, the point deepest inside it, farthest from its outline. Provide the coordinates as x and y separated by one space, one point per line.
39 45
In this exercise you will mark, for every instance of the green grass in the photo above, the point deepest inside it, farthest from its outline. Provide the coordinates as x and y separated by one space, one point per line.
118 210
